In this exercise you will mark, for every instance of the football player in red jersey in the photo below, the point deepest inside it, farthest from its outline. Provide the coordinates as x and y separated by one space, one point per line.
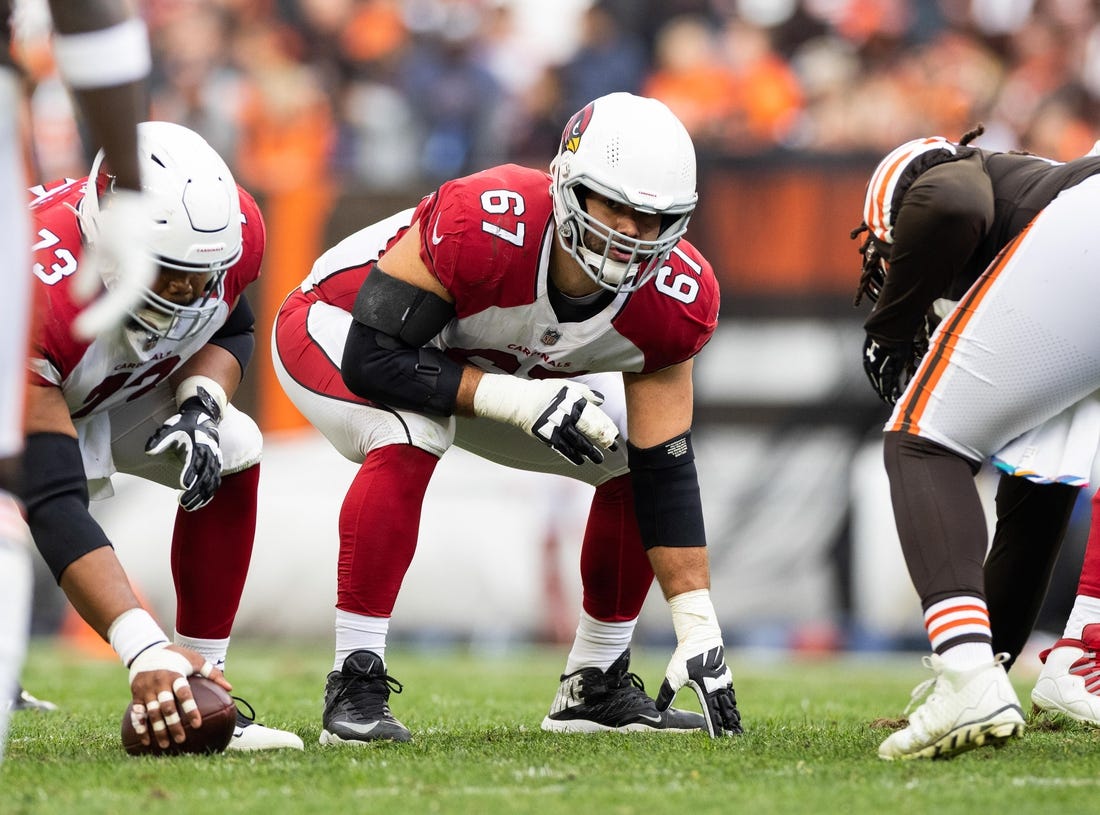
546 322
102 53
151 398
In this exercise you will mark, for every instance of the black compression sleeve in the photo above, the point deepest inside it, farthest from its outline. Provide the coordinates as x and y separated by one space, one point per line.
410 314
56 496
666 493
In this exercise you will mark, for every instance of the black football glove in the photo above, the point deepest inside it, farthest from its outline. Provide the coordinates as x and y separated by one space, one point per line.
193 435
705 673
888 368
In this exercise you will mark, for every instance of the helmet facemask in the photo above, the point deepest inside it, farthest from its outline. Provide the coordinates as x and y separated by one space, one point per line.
875 263
169 320
591 242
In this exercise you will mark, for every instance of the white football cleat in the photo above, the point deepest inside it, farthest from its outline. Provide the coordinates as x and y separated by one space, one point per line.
964 710
1069 683
249 735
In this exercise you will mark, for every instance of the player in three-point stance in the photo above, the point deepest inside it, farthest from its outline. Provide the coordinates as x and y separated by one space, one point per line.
546 322
101 50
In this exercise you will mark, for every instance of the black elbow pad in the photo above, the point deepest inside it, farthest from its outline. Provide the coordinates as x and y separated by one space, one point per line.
381 368
238 334
385 357
403 311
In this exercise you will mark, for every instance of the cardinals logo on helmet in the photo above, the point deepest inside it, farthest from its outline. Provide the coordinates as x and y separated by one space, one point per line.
575 127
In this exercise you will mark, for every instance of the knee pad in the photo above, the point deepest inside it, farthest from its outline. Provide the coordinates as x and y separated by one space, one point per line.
242 443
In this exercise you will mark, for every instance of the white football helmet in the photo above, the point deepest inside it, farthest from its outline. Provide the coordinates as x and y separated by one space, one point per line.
195 209
632 150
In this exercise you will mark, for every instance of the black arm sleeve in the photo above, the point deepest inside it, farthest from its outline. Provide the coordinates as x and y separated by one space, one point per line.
385 358
400 309
56 496
238 335
666 493
378 367
942 219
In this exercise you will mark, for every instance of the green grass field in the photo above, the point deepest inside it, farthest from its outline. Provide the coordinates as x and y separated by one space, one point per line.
809 746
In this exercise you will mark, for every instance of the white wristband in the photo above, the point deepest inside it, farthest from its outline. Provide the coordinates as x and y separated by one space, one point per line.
132 632
105 57
190 387
693 616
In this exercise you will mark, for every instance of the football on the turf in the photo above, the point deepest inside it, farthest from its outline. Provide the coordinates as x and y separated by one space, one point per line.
219 718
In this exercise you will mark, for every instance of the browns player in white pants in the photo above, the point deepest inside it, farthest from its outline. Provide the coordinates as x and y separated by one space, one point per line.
1009 358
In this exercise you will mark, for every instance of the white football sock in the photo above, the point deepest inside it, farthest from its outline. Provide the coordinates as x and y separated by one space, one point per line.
968 655
598 644
213 650
357 632
1086 611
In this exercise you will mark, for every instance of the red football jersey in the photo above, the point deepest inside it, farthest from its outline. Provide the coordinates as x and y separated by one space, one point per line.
487 238
96 374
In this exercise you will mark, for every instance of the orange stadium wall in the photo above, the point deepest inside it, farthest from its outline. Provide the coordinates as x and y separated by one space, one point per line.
778 228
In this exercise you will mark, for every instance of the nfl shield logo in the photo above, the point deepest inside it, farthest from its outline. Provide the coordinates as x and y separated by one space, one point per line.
550 336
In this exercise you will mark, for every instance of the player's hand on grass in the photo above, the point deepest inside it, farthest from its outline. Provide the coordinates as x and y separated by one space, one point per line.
699 662
705 673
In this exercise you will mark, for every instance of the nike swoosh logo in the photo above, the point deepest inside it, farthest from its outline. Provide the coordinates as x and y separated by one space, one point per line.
361 729
654 719
435 235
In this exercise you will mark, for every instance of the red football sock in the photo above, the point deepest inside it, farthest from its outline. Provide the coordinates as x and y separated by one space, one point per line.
211 550
1089 583
615 570
379 525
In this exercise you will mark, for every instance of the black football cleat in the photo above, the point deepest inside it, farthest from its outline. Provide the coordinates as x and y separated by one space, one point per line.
357 707
594 701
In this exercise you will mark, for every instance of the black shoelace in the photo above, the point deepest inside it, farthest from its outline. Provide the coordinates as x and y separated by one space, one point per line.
370 693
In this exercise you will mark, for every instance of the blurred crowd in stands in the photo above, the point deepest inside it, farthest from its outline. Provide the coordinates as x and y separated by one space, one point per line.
393 94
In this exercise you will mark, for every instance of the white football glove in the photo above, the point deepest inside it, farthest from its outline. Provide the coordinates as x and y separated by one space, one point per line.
119 258
699 662
562 414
